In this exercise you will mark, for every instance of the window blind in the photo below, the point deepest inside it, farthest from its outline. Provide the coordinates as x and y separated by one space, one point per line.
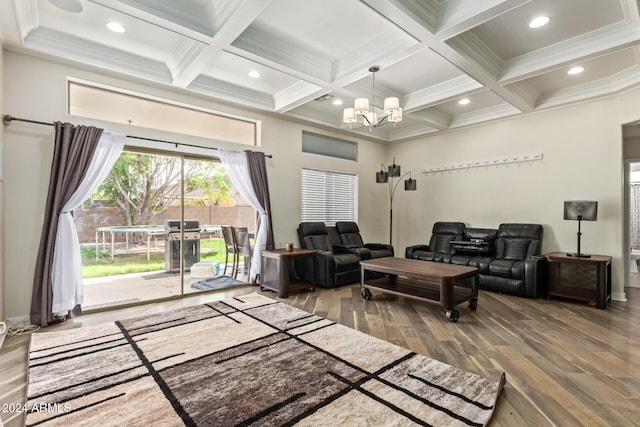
328 196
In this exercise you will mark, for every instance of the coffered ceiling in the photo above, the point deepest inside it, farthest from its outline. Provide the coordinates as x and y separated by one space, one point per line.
310 53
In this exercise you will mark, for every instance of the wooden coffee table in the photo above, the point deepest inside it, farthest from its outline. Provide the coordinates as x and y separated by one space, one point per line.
446 284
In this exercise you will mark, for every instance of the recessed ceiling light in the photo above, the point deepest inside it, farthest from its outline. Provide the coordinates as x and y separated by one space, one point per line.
538 22
337 102
253 74
115 27
72 6
575 70
464 101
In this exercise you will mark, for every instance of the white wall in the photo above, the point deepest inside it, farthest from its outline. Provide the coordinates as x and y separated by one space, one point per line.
38 91
582 159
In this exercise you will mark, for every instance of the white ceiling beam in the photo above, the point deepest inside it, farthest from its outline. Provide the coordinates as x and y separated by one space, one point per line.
236 24
442 92
433 118
587 46
395 12
204 85
459 16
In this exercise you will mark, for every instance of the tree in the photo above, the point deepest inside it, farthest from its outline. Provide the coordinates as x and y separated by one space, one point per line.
144 185
217 188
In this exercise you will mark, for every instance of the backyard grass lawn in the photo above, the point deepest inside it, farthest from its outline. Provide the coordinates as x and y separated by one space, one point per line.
137 263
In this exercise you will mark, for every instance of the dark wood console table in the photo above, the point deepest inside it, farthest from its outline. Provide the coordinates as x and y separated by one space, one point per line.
585 279
278 270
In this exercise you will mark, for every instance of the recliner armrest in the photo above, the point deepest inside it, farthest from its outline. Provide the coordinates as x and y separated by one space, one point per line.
378 246
323 268
362 253
534 277
408 252
345 247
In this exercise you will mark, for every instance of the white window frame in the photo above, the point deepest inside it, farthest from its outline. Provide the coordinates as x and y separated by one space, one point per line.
328 196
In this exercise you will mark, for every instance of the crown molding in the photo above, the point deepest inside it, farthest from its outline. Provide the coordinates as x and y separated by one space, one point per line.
441 92
457 17
593 44
484 115
295 95
471 47
217 89
605 86
282 51
80 50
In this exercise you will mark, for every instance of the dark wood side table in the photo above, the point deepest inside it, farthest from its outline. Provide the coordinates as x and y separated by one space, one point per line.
278 270
585 279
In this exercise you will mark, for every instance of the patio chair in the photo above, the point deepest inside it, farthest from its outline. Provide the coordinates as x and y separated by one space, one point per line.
242 248
227 234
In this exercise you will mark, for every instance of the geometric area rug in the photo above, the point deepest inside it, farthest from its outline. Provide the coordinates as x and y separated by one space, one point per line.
248 360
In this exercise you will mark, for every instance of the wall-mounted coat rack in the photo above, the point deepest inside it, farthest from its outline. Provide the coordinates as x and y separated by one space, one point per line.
483 163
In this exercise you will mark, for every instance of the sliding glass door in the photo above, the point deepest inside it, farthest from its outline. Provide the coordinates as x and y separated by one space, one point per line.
152 230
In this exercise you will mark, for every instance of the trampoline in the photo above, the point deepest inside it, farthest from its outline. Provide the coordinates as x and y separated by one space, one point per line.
150 231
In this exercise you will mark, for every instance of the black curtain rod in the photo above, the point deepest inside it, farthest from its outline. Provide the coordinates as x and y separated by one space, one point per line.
8 119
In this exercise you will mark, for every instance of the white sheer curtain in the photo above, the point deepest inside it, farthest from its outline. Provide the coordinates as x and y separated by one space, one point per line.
66 272
236 165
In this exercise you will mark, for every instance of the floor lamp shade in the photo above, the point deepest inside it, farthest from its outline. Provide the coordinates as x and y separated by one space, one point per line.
394 170
410 184
382 177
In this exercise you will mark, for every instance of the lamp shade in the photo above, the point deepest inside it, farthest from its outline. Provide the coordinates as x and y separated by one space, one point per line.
361 106
395 116
349 115
410 184
382 177
394 170
391 105
585 210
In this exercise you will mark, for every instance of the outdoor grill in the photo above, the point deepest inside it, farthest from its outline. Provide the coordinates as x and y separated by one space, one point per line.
191 251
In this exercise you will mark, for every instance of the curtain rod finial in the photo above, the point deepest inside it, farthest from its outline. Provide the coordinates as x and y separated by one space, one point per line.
7 118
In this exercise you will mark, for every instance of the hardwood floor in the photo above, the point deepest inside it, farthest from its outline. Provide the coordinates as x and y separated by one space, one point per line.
567 364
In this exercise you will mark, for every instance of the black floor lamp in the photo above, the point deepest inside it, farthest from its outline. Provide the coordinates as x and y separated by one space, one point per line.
580 210
389 176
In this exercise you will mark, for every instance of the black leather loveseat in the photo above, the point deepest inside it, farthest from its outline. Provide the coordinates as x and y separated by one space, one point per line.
339 250
508 258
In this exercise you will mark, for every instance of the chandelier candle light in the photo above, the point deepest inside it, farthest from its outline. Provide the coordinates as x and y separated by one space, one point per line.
392 172
366 111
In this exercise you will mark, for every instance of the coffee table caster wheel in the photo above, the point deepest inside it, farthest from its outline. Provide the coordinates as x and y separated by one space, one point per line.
366 293
452 315
473 304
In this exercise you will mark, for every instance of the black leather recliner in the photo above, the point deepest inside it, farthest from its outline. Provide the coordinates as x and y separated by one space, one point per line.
516 267
439 248
350 237
508 259
332 266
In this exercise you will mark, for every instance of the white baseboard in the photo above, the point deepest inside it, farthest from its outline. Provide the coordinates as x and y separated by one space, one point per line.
617 296
22 320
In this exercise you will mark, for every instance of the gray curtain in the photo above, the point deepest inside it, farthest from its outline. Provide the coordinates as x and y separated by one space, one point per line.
74 147
635 217
260 182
